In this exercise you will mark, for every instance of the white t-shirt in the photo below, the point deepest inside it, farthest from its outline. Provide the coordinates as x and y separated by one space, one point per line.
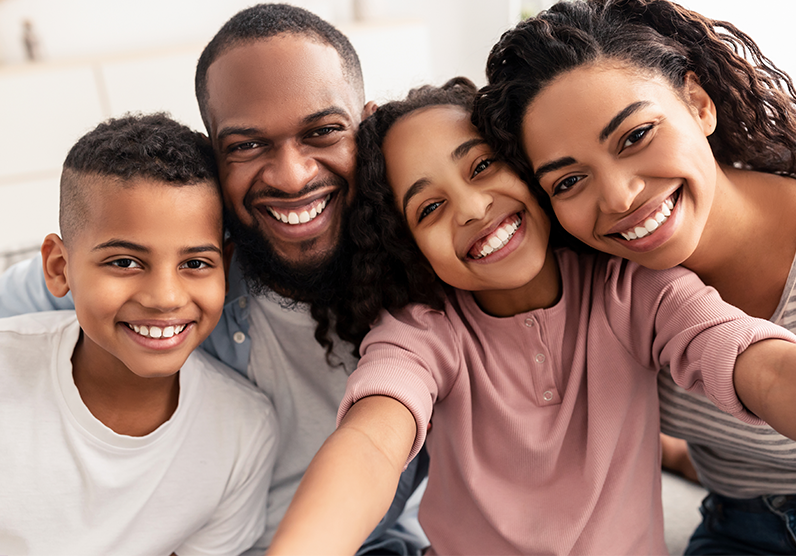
70 485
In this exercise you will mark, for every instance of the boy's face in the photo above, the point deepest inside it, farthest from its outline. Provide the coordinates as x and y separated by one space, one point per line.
147 275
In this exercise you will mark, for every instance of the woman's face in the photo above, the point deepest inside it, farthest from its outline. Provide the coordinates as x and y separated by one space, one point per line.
476 222
625 160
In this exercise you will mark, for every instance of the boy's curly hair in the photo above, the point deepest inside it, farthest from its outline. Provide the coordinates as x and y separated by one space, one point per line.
149 146
754 99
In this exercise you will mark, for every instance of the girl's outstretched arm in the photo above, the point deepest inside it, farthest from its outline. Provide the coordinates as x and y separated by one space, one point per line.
350 482
765 380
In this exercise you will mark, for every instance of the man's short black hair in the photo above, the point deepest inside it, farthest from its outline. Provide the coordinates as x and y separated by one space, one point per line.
134 146
265 21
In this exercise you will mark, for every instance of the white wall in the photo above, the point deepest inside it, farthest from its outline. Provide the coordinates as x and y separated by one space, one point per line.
105 57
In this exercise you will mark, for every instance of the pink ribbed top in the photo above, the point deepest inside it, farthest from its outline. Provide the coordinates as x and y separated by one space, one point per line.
545 424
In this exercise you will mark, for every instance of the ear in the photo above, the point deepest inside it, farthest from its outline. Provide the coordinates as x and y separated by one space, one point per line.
700 103
54 259
369 109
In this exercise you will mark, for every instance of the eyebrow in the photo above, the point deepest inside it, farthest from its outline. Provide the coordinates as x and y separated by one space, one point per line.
553 166
457 154
621 117
130 246
416 188
615 122
245 131
312 118
460 151
320 114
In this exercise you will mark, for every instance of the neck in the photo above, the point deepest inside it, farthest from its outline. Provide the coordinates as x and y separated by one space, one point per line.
749 240
123 401
543 291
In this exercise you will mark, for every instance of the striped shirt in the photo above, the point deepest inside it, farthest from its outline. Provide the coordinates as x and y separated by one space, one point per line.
731 457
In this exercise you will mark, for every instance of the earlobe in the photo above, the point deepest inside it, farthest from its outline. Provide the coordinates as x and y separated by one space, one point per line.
369 109
700 102
54 259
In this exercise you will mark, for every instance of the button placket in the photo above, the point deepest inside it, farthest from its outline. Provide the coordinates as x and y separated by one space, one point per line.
544 379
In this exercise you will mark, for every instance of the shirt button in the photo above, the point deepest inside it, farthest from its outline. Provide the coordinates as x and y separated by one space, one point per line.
529 322
548 395
242 303
540 358
239 337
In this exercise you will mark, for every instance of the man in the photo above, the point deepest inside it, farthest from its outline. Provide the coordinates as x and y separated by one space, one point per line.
280 92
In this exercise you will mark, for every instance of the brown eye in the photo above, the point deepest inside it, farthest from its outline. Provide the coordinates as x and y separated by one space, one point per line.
428 209
636 136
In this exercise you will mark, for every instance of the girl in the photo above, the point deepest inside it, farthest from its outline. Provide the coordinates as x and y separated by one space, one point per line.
537 366
657 141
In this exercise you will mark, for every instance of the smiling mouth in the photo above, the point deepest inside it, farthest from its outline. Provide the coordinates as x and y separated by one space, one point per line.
655 221
302 215
156 332
497 240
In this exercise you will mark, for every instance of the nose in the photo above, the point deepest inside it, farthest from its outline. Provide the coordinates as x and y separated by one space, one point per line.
472 204
618 192
289 169
164 291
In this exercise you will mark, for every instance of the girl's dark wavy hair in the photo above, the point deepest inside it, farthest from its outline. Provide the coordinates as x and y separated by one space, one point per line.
388 270
754 99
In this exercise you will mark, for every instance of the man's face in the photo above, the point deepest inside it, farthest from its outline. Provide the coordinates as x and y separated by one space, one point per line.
283 121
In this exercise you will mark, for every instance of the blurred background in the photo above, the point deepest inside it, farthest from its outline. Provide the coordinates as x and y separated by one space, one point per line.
67 65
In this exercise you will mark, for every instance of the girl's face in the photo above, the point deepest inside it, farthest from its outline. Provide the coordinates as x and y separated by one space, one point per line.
475 221
625 160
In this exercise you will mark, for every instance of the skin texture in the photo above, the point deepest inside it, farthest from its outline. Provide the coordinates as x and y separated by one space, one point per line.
453 195
149 254
351 480
283 120
727 223
602 184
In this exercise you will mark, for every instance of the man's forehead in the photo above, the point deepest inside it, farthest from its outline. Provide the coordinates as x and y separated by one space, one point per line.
292 75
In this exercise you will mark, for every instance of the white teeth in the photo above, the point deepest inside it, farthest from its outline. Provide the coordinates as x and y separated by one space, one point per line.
302 217
652 223
156 331
499 238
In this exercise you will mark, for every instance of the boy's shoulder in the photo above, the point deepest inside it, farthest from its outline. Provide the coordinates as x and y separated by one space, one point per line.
46 323
228 386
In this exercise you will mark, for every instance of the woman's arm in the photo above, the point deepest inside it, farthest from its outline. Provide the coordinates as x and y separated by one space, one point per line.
765 381
350 482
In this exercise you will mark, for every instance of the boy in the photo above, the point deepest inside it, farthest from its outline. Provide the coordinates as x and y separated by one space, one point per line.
116 436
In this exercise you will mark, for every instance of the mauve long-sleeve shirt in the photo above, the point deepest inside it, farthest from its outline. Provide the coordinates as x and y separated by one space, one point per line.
545 424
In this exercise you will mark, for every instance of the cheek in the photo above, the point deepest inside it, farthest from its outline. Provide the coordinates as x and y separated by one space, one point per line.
572 217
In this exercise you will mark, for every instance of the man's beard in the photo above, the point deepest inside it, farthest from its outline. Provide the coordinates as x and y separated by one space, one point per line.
318 281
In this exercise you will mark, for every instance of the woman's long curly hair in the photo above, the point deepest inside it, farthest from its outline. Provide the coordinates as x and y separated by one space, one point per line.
754 99
388 270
